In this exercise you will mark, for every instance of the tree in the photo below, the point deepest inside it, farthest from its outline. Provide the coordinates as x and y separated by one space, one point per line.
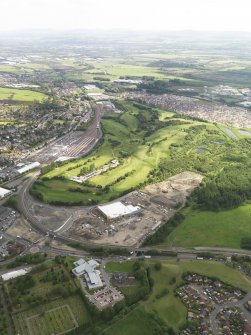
158 266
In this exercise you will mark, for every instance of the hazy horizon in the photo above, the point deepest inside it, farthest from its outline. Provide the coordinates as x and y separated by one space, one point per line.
135 15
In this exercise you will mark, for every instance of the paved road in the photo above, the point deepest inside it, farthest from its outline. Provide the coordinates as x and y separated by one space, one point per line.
218 308
23 199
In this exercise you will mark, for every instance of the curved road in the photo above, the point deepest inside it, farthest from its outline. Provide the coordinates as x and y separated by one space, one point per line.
36 225
239 303
95 131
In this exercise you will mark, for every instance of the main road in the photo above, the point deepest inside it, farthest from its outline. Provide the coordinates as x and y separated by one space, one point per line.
24 205
82 148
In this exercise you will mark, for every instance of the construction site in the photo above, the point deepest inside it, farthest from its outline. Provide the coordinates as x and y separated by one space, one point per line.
137 215
127 221
124 222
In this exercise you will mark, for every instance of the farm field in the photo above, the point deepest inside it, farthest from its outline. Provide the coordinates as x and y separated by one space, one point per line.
20 95
169 307
212 229
14 69
115 71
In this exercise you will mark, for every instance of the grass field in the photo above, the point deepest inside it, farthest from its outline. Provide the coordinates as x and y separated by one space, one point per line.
20 95
114 68
171 139
50 305
48 283
56 317
14 69
135 323
138 154
62 316
212 229
169 307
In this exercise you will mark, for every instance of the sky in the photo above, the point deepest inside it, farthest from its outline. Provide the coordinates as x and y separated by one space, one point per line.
208 15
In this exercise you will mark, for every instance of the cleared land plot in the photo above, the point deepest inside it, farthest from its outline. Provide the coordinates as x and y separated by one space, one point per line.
20 95
212 229
159 202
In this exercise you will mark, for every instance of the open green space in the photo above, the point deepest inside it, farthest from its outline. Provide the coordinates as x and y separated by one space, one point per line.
55 317
136 322
169 307
212 229
20 95
14 69
152 145
149 145
49 282
47 300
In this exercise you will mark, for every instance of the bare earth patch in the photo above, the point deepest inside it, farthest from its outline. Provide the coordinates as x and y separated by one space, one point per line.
158 203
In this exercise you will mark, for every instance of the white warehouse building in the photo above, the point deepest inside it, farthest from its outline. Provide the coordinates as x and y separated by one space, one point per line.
118 209
4 192
28 167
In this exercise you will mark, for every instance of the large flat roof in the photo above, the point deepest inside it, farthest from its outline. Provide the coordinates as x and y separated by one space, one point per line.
15 274
94 278
28 167
117 209
4 192
81 266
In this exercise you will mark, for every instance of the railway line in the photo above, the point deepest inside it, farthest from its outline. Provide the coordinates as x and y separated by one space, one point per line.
84 146
24 204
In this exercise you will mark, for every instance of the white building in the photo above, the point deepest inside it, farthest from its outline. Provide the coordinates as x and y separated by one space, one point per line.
128 81
118 209
89 271
4 192
98 96
28 167
245 104
15 274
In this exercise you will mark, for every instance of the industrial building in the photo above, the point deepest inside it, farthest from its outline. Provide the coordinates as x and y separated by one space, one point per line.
118 209
88 270
28 167
4 192
15 274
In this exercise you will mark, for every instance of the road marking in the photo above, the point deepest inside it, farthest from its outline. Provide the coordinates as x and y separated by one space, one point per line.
61 227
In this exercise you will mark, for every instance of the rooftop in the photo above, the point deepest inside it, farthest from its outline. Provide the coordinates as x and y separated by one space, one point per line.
28 167
4 192
15 274
118 209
